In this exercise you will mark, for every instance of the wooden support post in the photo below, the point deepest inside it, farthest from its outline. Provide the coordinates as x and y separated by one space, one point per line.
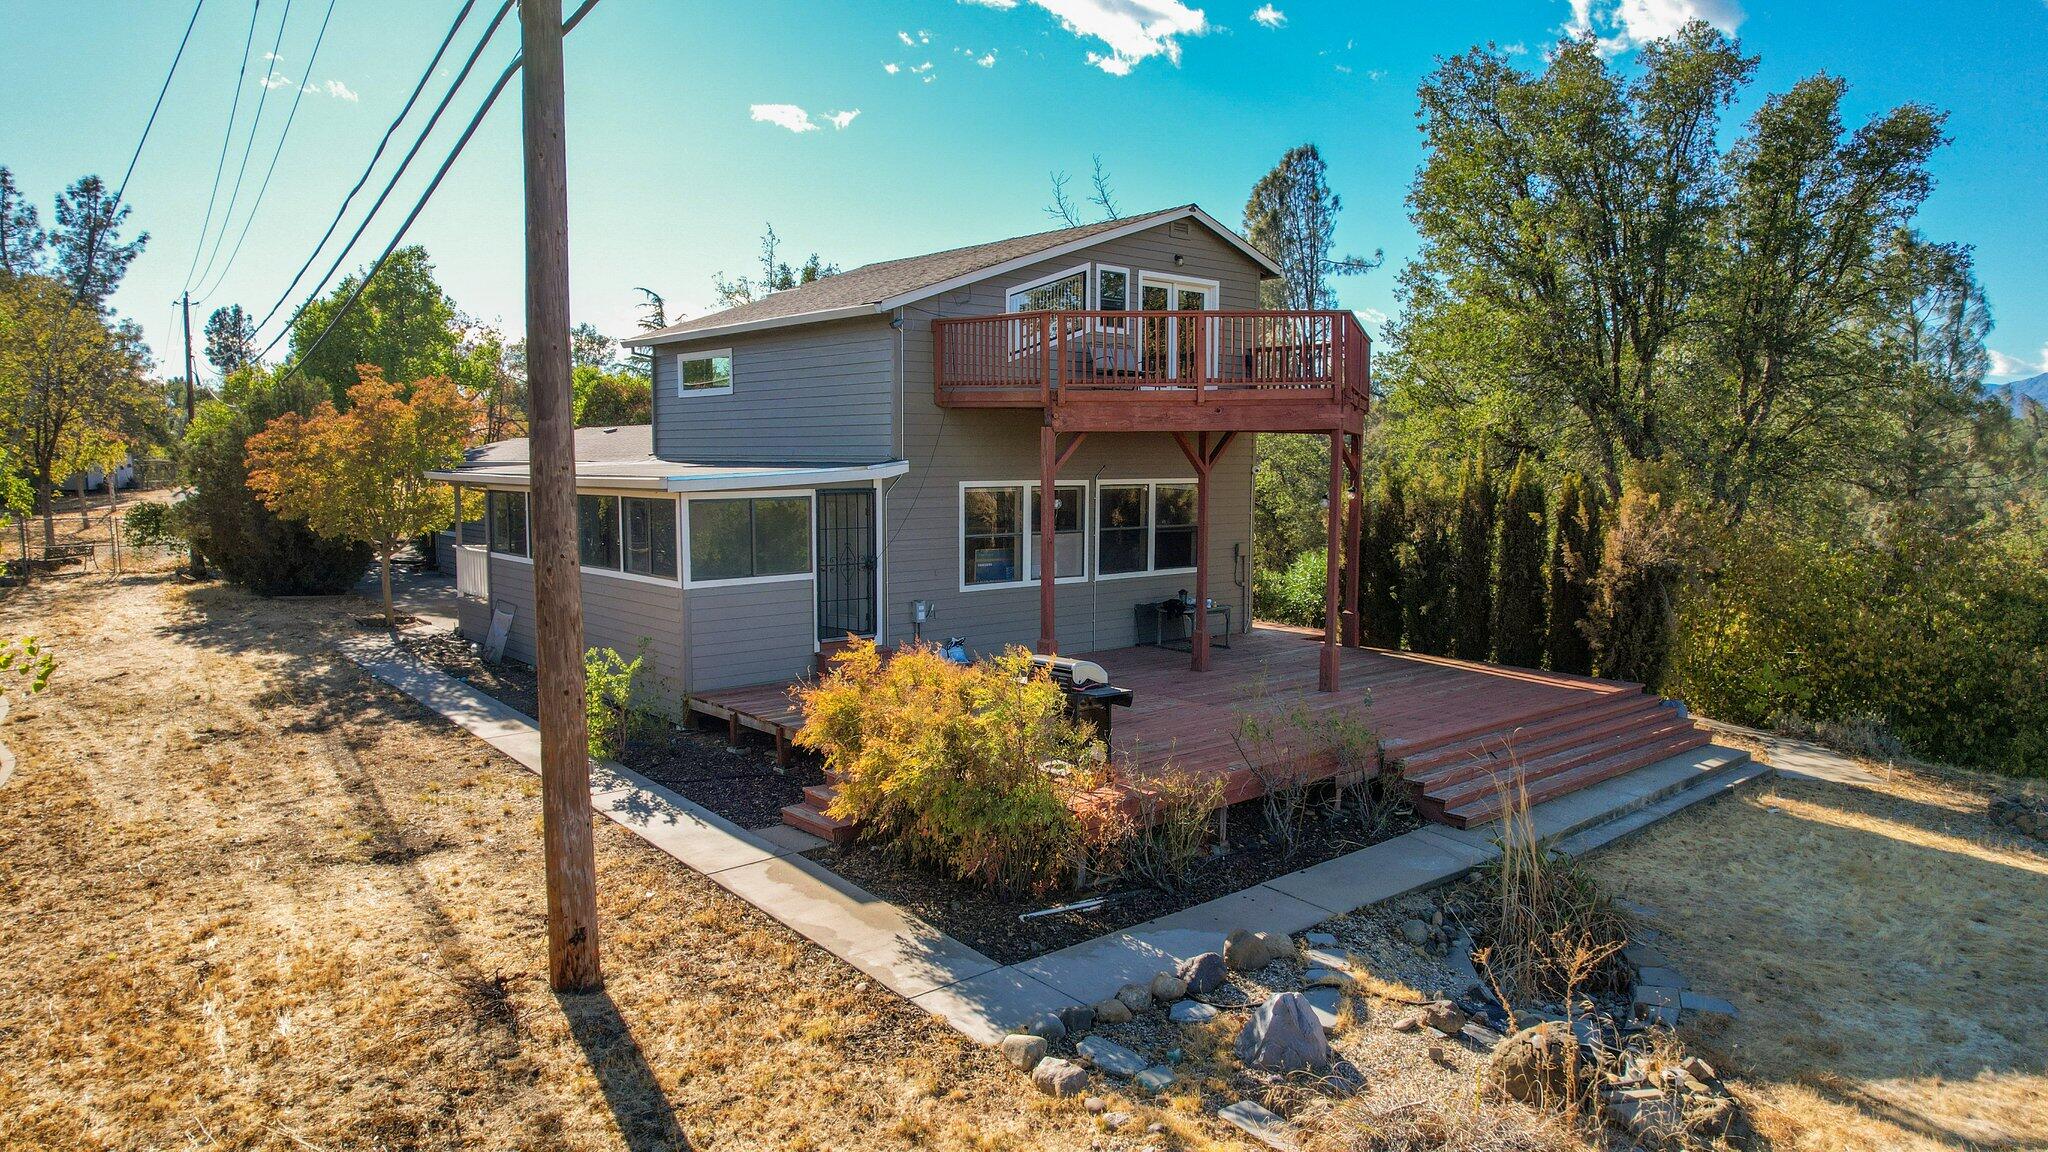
1326 681
1354 518
1048 471
1198 643
558 599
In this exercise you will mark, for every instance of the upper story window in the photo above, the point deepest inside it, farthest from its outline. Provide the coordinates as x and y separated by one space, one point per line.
506 512
751 538
1061 292
704 373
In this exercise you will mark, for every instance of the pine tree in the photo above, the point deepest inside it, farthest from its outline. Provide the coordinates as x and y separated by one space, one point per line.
1472 580
1380 595
1518 606
1574 558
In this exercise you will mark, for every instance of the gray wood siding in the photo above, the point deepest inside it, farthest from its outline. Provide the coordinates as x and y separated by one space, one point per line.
948 446
617 614
814 394
745 634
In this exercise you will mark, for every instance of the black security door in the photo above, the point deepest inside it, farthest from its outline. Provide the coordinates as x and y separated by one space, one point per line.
846 562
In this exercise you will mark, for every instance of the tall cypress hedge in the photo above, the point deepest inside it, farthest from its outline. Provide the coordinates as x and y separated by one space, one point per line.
1574 558
1380 576
1472 583
1518 606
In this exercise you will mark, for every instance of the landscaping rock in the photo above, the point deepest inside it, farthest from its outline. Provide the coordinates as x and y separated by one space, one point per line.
1697 1068
1324 958
1049 1027
1158 1078
1244 952
1663 978
1203 974
1646 1113
2021 816
1415 932
1328 1003
1095 1104
1057 1077
1466 974
1077 1018
1110 1056
1319 939
1693 1003
1260 1123
1327 977
1136 997
1112 1011
1166 988
1279 946
1024 1051
1534 1065
1654 1005
1115 1120
1640 955
1191 1012
1445 1017
1284 1035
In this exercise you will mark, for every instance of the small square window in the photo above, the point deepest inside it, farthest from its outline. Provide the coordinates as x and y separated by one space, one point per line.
703 372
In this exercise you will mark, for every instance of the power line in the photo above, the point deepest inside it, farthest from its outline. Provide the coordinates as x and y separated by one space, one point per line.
158 106
227 137
462 141
264 187
372 165
249 145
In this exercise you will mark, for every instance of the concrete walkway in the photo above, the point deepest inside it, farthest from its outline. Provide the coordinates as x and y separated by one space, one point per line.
978 997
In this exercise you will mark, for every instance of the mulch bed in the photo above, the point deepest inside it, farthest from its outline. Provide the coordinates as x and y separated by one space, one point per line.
744 785
988 923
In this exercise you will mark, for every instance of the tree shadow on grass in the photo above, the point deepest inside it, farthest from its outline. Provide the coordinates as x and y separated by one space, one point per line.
641 1109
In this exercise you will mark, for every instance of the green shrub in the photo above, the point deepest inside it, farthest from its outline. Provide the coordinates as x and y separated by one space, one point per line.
1518 606
1427 561
1941 640
949 762
1574 558
608 698
1472 578
1379 596
1293 595
152 525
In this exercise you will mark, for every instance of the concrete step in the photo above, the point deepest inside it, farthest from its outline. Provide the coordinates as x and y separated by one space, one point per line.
1738 770
808 819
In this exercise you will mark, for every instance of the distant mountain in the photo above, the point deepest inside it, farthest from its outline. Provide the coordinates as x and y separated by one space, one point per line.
2034 388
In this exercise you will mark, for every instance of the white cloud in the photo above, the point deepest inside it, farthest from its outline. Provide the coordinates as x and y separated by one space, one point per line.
913 40
842 119
1269 16
272 57
340 91
1131 31
892 69
1516 49
987 60
277 80
2012 367
921 69
1005 5
1619 25
783 116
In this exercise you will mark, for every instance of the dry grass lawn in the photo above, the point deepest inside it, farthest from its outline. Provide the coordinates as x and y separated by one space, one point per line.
1887 947
261 902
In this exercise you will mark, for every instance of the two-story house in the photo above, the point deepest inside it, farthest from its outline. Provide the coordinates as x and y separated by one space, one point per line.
1034 441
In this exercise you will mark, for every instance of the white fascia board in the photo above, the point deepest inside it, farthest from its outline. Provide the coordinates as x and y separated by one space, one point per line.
521 479
846 312
788 477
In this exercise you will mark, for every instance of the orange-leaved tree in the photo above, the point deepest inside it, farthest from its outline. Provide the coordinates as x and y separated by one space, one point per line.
360 473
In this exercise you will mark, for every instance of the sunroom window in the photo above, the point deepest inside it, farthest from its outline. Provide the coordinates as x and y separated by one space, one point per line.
753 538
1068 292
506 512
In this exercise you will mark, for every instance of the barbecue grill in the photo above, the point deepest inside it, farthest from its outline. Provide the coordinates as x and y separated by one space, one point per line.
1089 693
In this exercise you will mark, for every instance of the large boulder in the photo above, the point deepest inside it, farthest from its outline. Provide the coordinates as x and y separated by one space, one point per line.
1244 951
1284 1036
1058 1077
1204 974
1024 1051
1536 1065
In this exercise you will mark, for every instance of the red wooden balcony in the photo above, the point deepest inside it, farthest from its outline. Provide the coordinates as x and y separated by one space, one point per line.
1168 371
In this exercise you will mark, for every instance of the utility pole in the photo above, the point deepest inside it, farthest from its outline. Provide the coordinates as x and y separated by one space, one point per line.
558 596
193 563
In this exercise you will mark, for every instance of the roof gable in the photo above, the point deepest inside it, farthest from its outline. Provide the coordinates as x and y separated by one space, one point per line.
890 284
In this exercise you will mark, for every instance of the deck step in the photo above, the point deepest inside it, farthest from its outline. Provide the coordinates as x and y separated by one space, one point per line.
1553 755
1523 738
825 827
1488 807
1495 751
1562 761
820 796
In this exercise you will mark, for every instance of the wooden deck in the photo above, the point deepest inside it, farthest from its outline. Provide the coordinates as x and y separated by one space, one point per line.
1455 727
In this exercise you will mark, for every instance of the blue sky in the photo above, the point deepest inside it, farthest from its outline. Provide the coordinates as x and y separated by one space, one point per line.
688 125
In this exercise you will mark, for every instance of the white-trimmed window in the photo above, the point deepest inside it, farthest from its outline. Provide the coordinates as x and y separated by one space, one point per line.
597 532
750 538
1060 292
1112 288
1144 526
506 514
999 527
649 536
707 373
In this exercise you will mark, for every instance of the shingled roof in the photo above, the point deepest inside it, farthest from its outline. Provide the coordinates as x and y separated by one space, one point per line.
886 284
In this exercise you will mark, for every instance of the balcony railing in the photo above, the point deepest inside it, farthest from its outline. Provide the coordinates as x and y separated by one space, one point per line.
1064 358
